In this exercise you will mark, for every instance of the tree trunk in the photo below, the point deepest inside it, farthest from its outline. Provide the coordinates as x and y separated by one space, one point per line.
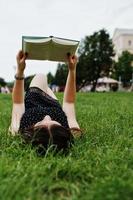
93 89
82 85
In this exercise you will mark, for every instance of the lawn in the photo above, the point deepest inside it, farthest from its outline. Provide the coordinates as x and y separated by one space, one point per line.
98 167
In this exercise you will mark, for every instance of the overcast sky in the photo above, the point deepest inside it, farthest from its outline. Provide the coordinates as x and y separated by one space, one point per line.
72 19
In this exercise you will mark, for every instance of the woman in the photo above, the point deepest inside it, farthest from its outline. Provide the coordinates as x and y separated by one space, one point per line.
38 116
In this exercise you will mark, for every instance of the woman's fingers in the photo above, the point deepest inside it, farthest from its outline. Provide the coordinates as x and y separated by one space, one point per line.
21 54
21 57
72 61
70 57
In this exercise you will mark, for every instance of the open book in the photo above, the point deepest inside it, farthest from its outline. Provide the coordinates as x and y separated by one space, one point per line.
48 48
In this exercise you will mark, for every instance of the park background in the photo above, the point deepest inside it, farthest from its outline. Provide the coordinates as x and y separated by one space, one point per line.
69 19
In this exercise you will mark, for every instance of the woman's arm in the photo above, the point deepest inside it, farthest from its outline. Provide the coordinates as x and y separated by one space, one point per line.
70 93
18 88
70 89
18 107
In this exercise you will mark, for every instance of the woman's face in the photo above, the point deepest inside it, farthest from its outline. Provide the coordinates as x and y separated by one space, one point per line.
47 121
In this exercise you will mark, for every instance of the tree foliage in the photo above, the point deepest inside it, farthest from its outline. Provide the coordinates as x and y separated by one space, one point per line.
124 68
51 79
10 84
61 74
95 58
2 82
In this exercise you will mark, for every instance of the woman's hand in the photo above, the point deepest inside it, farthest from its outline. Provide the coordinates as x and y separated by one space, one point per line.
21 57
72 62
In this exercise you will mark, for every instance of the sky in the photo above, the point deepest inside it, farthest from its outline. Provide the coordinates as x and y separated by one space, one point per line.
73 19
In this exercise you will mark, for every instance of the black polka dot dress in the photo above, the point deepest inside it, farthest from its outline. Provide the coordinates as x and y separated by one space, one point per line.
38 104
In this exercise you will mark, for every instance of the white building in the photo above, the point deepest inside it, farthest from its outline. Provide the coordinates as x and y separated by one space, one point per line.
123 41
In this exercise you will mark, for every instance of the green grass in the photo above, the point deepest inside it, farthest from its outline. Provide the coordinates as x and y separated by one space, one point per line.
98 167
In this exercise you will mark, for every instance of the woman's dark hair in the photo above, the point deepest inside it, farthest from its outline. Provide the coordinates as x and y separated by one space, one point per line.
42 137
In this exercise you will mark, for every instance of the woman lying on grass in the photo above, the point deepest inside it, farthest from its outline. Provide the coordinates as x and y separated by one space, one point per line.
38 115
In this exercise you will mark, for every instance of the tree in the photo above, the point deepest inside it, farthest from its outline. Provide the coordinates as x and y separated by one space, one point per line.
95 58
61 74
51 78
2 82
124 68
10 84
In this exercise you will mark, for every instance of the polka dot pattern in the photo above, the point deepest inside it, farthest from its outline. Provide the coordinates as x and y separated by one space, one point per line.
38 104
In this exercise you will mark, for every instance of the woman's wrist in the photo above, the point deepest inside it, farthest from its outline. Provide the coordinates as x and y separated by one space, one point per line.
19 74
19 77
72 67
72 70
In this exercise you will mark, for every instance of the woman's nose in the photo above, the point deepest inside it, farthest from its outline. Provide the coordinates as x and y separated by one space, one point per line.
47 118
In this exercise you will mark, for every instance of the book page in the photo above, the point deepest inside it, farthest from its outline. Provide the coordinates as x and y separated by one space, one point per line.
37 40
64 41
37 51
59 52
